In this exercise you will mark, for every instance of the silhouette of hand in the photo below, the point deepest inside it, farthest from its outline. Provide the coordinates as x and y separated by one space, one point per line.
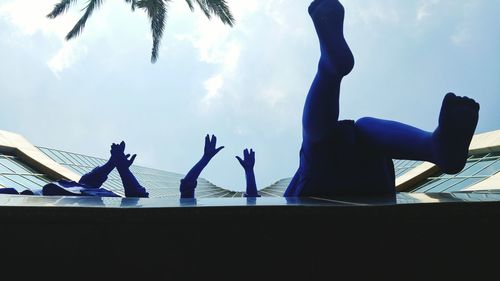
117 150
210 147
248 160
118 156
125 162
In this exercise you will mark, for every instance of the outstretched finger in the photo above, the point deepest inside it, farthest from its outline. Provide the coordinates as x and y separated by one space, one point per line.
214 140
240 160
207 140
219 149
132 159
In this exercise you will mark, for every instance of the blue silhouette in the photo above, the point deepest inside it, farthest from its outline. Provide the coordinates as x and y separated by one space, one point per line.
355 158
248 163
189 182
90 183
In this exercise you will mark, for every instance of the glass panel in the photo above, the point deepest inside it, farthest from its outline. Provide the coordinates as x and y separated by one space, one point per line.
464 184
4 169
37 180
14 166
491 170
397 163
445 185
23 180
52 155
93 162
476 168
427 184
9 183
82 160
61 157
72 158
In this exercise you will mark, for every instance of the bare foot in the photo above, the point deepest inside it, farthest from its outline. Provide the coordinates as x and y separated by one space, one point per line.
451 139
328 19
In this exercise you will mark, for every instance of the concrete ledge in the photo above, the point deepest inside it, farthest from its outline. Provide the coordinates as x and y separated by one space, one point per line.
308 242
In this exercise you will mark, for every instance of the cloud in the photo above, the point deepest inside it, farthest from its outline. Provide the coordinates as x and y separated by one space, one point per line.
371 12
425 8
65 57
273 95
460 36
216 44
213 86
30 19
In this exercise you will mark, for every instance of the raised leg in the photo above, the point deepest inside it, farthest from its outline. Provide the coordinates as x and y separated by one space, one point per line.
321 109
447 146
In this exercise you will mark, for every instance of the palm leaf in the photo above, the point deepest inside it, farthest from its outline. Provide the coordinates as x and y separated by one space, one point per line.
89 9
157 13
60 8
133 4
216 7
190 4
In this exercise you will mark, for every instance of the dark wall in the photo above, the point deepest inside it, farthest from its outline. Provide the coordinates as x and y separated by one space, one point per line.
400 242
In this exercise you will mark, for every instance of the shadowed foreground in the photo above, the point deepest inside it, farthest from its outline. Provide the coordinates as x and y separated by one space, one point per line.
248 238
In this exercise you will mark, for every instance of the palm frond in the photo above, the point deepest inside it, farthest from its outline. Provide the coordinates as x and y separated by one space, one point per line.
133 4
89 9
157 13
60 8
218 8
190 4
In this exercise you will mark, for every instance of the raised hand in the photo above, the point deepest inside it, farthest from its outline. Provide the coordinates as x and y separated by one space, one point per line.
188 183
117 150
210 147
118 156
128 162
248 160
247 163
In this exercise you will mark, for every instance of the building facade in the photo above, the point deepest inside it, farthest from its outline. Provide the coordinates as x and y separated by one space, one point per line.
25 166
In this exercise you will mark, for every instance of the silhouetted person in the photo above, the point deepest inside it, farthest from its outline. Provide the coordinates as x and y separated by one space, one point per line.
90 183
355 158
189 182
248 163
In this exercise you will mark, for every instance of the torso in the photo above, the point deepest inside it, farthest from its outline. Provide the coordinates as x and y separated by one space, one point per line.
342 165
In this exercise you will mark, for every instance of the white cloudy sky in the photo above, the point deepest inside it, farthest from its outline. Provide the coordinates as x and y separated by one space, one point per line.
245 84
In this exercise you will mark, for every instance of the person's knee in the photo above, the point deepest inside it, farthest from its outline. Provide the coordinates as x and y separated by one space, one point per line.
364 122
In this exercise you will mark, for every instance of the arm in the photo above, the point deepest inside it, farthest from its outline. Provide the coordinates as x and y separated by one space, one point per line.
247 163
132 187
188 183
99 174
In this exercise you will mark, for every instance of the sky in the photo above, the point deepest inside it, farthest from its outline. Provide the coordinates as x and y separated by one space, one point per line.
246 84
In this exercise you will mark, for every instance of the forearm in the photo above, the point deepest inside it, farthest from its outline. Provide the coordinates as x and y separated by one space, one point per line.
131 186
195 172
251 184
107 167
187 188
98 175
